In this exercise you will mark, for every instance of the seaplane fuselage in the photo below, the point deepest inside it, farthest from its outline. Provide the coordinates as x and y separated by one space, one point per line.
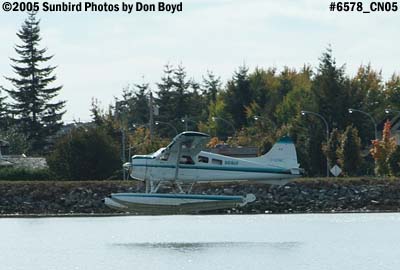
210 167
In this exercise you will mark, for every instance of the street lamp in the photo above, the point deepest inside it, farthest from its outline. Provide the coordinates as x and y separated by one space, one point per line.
351 110
387 111
168 124
257 117
215 118
327 134
134 125
185 120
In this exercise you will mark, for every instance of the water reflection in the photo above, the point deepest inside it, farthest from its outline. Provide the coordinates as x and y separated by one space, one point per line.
198 246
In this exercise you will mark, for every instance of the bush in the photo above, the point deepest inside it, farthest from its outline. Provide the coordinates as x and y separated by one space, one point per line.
14 174
85 154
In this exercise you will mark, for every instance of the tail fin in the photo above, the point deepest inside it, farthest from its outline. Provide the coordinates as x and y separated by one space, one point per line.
282 154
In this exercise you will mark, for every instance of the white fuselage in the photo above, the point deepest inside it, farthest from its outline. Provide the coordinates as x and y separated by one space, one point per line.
207 167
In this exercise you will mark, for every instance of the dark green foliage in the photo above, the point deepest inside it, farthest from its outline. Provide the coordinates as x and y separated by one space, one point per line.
331 88
276 98
17 142
36 114
5 119
238 96
211 87
133 108
85 154
350 151
24 174
178 98
331 150
394 162
315 138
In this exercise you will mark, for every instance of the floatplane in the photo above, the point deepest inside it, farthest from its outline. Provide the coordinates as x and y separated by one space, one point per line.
183 163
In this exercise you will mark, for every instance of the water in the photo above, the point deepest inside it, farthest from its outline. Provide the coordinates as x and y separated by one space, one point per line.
317 241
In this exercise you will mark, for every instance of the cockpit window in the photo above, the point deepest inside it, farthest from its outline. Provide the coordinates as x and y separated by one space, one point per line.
186 160
203 159
164 156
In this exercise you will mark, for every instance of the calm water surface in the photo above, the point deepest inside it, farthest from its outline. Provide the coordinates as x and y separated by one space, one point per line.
318 241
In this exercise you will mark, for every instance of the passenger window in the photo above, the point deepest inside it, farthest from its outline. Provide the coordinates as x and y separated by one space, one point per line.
203 159
186 160
216 161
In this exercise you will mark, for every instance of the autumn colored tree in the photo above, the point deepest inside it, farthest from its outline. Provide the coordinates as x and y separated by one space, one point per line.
382 149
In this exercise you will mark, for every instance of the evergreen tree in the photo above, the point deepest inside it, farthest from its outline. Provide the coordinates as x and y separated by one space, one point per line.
331 149
36 115
166 99
141 112
331 88
238 96
211 86
350 151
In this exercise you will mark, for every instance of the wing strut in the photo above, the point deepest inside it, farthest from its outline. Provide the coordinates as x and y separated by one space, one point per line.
178 158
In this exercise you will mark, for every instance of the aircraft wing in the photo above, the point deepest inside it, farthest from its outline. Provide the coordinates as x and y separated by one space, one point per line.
191 143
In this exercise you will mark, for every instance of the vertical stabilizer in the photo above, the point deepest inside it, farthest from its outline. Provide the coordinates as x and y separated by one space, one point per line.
282 154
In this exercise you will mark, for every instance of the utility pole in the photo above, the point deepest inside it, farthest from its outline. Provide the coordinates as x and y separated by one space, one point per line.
151 120
123 151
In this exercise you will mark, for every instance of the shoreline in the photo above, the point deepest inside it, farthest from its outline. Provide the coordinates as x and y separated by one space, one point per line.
306 195
84 215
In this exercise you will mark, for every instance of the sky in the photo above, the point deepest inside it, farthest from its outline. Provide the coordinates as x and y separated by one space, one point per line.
97 54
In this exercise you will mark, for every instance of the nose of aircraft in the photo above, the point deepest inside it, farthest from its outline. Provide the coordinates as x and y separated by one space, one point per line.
127 166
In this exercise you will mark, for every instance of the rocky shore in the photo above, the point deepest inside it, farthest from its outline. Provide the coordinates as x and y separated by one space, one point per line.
302 196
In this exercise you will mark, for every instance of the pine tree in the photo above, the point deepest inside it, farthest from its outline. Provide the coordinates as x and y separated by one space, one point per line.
35 113
238 96
211 86
141 104
331 91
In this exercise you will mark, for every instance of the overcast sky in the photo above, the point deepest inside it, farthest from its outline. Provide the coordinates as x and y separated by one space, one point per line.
98 54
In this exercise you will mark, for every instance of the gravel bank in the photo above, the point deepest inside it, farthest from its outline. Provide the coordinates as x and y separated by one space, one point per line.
302 196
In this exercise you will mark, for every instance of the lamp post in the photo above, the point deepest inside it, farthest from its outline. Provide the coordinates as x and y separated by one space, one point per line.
168 124
257 117
215 118
351 110
327 134
185 120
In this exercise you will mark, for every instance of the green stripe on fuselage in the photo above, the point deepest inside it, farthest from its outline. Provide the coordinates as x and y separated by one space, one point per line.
215 168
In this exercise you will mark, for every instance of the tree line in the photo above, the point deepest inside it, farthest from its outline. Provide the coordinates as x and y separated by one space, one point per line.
252 108
255 108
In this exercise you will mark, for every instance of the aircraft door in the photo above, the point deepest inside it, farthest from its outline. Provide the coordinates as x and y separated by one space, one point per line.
187 169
